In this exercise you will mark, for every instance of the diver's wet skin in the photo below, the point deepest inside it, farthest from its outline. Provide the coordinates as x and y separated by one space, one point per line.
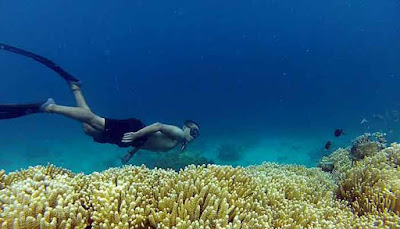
130 132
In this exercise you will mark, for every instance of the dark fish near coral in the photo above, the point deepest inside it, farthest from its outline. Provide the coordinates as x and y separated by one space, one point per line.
328 145
338 132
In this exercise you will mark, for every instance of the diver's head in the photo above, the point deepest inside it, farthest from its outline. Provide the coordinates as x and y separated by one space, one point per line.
191 130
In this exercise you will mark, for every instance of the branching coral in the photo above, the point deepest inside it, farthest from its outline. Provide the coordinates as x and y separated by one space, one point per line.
216 196
372 187
2 177
35 173
121 198
196 197
340 161
336 163
264 196
42 197
177 160
301 197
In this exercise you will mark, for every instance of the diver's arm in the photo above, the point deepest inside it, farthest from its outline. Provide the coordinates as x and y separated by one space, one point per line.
129 155
145 131
169 130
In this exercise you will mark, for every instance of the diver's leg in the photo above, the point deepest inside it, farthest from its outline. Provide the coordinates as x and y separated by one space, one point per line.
89 130
80 100
79 114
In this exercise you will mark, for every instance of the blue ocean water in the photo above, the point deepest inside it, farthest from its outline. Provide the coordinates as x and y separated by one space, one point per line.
273 78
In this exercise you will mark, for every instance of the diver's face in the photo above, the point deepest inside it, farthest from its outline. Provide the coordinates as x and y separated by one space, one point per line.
191 132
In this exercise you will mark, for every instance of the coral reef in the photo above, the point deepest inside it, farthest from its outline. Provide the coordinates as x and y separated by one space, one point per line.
372 186
177 160
341 160
2 176
336 163
42 197
136 197
301 198
368 178
367 145
196 197
363 194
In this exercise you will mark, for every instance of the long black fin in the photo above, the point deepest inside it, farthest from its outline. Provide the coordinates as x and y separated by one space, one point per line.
48 63
8 111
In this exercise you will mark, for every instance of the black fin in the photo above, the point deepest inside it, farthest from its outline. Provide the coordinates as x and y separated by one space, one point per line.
48 63
8 111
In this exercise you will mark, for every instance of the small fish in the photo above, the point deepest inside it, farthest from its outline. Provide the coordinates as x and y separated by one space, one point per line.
328 145
395 115
379 117
363 121
338 132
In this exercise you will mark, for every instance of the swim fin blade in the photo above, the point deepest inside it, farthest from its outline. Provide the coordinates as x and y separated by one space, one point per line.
43 60
9 111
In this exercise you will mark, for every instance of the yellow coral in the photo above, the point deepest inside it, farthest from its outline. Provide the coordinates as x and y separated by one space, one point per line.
212 196
337 163
44 197
196 197
301 197
264 196
2 177
372 186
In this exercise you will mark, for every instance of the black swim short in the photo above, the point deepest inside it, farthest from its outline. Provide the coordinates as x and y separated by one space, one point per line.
115 130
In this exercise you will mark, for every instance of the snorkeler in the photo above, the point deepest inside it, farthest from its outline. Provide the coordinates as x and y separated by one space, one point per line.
131 132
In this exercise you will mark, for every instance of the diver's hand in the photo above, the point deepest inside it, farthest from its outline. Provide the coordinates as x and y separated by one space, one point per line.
129 137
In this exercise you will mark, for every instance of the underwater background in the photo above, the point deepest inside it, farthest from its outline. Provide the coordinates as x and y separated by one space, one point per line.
266 80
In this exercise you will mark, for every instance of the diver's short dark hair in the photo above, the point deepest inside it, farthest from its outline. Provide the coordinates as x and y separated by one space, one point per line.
191 122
